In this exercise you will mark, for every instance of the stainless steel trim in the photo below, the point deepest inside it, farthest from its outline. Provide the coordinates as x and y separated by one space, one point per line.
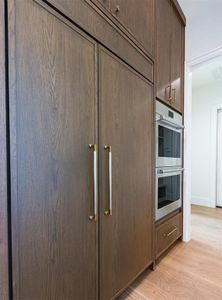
164 211
171 232
93 217
164 171
109 211
163 120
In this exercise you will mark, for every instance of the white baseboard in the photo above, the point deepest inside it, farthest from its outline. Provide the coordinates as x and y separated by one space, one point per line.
203 201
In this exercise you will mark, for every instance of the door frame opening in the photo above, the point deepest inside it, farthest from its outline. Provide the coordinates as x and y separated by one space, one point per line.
189 67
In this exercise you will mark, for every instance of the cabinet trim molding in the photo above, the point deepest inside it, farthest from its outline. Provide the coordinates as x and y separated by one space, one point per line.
102 29
4 257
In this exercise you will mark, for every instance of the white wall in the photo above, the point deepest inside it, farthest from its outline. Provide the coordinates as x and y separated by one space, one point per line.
203 35
205 98
204 26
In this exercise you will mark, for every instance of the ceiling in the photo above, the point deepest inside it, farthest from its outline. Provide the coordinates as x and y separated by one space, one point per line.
203 35
204 26
207 73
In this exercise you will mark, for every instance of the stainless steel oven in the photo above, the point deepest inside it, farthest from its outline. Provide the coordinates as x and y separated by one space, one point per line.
168 190
168 136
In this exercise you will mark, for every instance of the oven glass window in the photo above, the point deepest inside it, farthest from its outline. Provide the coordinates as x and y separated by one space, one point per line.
168 190
168 142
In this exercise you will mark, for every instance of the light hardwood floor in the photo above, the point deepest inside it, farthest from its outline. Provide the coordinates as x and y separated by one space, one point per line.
190 270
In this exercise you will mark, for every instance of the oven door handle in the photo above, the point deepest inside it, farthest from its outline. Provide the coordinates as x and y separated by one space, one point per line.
161 171
163 120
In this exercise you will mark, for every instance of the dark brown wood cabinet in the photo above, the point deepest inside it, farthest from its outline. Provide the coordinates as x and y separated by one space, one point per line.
135 19
102 27
4 257
138 19
167 233
77 143
126 109
169 54
169 88
62 242
54 104
163 49
104 3
177 62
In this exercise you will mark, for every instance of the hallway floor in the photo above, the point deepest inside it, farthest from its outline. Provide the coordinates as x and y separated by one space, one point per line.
190 270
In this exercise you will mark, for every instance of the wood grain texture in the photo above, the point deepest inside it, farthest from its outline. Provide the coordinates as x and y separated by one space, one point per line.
180 12
170 46
162 240
94 21
163 49
104 3
138 19
126 123
191 270
54 99
177 61
3 167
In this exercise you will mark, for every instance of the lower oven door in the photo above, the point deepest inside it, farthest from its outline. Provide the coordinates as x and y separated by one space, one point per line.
168 191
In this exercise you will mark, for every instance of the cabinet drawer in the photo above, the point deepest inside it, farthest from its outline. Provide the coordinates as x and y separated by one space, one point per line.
167 233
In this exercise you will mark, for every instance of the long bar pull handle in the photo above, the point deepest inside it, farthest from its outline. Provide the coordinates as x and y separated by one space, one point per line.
109 211
93 217
171 232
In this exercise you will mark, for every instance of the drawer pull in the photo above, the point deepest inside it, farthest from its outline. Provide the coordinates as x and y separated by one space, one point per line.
171 232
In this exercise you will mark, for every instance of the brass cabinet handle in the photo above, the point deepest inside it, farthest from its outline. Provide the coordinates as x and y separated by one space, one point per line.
170 93
171 232
174 95
109 211
93 217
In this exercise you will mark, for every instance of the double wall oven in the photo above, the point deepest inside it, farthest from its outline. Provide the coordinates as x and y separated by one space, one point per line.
168 160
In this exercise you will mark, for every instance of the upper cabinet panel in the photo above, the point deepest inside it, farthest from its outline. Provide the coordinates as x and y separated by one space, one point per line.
177 62
94 17
138 19
163 19
169 53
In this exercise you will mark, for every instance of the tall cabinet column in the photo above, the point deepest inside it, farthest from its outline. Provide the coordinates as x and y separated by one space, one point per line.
53 120
126 127
4 282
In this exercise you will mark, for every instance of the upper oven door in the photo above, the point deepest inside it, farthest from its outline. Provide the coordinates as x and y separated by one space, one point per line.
168 145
